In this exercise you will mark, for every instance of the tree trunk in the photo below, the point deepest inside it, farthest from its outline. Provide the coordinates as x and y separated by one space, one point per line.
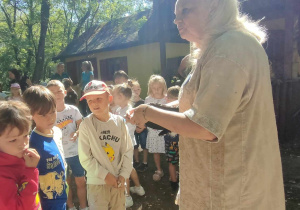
29 25
40 56
80 23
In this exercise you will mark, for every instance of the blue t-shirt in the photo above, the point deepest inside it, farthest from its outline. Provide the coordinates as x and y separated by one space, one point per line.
52 178
85 77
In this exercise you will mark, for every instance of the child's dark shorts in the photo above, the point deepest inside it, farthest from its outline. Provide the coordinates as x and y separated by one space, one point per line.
74 166
172 149
141 139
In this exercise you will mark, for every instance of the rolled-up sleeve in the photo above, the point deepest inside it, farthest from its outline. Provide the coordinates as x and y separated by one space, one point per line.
221 88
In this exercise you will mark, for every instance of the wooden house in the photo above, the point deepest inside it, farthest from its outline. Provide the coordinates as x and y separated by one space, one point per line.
143 44
148 43
282 20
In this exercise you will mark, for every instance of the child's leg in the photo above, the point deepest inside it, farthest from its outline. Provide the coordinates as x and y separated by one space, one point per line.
137 189
136 154
143 142
117 199
145 157
127 187
135 178
81 191
70 194
172 171
80 181
99 196
157 161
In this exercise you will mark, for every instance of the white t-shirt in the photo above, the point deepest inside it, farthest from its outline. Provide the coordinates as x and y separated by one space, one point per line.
131 128
66 121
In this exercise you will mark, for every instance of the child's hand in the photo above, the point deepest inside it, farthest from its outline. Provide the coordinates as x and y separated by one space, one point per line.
73 136
139 129
31 157
111 180
121 182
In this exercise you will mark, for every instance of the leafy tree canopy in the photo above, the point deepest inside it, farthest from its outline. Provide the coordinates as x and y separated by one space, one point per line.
20 27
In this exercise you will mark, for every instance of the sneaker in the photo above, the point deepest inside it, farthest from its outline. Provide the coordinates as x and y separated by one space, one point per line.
157 175
137 190
142 168
136 164
128 201
86 208
73 208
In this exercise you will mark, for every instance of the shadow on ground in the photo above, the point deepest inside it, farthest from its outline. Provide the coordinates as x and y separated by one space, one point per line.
159 195
291 175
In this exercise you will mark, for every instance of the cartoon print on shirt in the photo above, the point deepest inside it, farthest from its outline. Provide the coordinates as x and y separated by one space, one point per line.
52 184
22 186
62 124
109 152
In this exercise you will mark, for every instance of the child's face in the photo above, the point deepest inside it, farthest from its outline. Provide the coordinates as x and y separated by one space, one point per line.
15 91
14 143
11 75
118 98
136 90
45 122
120 80
59 93
83 67
157 90
99 104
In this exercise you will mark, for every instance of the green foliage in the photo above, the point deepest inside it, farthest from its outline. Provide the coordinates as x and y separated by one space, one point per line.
20 28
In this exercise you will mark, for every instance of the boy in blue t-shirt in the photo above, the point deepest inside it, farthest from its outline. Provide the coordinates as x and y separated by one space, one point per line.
47 140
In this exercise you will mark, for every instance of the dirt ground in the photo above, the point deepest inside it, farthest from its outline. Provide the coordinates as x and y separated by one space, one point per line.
159 195
291 175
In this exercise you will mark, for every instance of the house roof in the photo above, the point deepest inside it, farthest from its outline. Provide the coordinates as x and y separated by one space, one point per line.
115 34
143 27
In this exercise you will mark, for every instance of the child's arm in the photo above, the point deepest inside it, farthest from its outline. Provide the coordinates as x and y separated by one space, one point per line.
88 162
24 196
75 134
127 148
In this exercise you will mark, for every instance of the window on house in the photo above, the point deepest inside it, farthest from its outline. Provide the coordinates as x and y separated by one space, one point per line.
109 66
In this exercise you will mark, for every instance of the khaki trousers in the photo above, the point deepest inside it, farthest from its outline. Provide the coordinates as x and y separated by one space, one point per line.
104 197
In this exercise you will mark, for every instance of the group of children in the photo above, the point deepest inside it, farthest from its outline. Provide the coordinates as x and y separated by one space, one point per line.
98 150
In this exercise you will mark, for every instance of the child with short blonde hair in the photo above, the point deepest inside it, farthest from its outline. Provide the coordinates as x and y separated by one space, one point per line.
68 120
18 172
122 94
